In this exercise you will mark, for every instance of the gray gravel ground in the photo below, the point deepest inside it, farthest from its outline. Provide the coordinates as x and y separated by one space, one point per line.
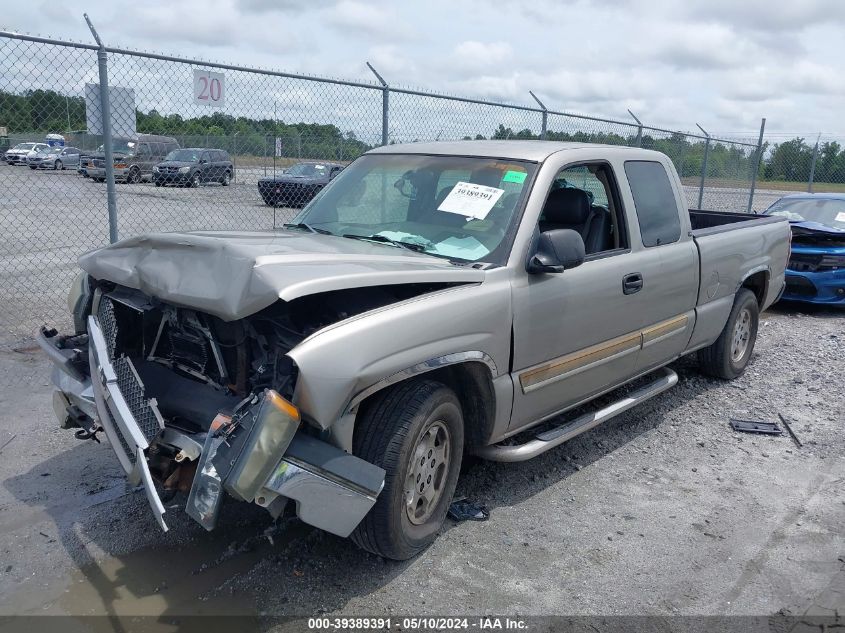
662 511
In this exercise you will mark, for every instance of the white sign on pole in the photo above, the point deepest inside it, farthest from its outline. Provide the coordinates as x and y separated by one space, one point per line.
209 88
121 106
278 146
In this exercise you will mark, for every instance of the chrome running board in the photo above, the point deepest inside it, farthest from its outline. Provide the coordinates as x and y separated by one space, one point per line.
560 434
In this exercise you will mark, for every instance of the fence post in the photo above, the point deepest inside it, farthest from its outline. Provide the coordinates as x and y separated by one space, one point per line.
703 166
105 112
813 165
639 129
756 163
545 122
234 157
385 103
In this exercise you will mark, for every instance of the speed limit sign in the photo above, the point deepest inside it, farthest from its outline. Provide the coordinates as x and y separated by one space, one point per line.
209 88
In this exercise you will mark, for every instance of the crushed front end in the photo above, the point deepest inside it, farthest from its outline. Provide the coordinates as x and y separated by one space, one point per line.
192 403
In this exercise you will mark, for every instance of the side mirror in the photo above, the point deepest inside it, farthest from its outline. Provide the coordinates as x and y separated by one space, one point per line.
557 250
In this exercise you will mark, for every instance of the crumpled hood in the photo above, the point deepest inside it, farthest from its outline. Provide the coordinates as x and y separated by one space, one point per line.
817 227
232 275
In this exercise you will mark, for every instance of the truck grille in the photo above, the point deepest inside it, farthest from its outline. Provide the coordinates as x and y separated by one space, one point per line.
128 382
105 314
124 445
132 388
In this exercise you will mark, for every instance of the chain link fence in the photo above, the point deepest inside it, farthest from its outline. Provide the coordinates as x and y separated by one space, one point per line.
251 147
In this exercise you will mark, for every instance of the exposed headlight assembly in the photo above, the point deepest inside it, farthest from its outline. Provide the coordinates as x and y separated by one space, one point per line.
184 170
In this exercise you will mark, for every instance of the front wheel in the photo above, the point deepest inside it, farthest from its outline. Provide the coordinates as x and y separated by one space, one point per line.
134 176
415 432
226 179
729 355
59 165
194 181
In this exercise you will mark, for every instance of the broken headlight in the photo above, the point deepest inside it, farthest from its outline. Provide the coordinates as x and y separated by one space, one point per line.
258 449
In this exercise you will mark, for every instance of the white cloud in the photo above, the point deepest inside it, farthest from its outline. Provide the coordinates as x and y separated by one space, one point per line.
373 20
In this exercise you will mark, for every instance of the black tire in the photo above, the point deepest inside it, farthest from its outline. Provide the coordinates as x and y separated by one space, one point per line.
390 428
59 165
134 176
157 183
194 181
723 359
226 179
98 179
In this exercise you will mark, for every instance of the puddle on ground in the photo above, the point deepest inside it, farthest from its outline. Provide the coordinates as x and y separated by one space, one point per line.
198 578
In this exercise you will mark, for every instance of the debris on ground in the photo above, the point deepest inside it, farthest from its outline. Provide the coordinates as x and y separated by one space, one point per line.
791 432
465 510
755 426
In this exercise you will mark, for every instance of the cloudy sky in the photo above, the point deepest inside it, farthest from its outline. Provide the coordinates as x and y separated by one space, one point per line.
721 63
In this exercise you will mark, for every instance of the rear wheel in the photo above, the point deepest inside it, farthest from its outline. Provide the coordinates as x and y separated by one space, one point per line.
729 355
58 165
194 181
415 432
134 176
226 179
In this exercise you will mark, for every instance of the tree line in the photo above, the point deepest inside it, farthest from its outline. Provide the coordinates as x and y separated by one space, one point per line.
43 111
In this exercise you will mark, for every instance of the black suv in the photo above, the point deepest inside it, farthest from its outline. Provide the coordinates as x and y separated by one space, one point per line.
192 166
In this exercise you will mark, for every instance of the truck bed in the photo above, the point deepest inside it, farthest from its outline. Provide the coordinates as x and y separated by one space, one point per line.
712 222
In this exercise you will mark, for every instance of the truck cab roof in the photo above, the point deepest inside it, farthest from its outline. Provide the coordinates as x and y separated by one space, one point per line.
536 151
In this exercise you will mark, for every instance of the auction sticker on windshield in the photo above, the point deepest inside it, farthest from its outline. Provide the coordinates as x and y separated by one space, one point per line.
471 200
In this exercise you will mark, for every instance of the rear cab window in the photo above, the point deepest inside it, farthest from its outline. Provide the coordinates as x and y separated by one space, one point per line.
654 202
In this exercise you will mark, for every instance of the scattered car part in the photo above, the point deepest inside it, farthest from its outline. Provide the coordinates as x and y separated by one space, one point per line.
464 510
789 429
755 426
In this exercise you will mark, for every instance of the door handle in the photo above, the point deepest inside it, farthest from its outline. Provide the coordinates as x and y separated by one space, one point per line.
631 283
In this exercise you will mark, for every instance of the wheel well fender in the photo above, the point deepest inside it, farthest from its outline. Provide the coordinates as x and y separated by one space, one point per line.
757 281
472 382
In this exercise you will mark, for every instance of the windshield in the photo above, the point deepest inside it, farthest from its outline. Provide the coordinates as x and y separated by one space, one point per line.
311 170
454 207
24 146
827 211
51 150
120 145
184 155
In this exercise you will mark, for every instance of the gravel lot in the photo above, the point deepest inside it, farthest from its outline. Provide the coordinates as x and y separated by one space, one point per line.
48 218
662 511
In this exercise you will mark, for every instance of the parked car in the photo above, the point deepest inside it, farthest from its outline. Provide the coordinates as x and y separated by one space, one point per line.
436 299
19 153
193 166
54 158
298 184
816 270
133 159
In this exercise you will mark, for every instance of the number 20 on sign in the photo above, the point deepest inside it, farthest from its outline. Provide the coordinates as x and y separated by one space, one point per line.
209 88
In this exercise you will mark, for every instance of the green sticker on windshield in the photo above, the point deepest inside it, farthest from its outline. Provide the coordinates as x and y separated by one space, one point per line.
514 176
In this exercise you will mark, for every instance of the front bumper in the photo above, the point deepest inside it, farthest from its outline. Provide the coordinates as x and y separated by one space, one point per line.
171 179
100 172
826 287
332 490
15 159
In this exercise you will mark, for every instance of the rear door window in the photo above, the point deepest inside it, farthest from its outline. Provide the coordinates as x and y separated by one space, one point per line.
655 202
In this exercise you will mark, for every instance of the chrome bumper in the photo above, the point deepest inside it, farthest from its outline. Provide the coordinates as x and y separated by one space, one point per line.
117 420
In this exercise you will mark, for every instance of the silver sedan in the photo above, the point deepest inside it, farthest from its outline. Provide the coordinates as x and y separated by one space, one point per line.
54 158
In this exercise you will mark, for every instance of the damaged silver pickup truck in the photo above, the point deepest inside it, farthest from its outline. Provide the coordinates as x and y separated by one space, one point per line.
433 300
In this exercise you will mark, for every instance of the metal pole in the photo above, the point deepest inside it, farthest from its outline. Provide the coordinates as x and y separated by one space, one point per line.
385 103
756 163
105 111
545 123
813 164
234 159
639 129
703 166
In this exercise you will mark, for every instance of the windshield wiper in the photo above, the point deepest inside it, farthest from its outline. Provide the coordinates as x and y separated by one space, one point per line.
417 248
307 227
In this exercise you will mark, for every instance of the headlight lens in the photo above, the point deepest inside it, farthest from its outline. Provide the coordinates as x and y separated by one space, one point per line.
184 170
275 425
155 168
